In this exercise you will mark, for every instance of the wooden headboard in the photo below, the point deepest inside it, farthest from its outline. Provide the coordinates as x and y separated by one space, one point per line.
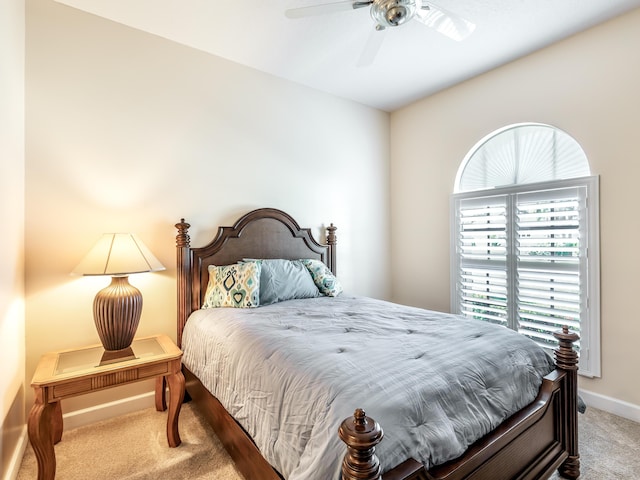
261 233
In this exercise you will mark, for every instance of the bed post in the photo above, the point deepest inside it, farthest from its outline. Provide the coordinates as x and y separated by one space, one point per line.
361 434
567 360
183 257
332 239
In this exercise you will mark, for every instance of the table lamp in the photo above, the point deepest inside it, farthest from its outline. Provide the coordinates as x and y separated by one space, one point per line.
117 308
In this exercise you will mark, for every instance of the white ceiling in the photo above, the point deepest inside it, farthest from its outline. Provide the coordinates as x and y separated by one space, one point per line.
323 51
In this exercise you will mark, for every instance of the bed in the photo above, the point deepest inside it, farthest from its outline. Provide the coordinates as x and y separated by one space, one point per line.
528 443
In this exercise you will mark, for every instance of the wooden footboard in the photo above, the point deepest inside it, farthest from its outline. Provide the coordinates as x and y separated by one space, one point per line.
530 445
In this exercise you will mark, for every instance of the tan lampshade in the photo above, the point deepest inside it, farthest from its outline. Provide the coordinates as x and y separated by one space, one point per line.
118 254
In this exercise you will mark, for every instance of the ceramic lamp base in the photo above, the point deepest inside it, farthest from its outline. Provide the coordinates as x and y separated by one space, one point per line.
116 312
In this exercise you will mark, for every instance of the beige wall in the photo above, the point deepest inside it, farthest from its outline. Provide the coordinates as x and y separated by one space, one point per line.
587 86
127 131
12 336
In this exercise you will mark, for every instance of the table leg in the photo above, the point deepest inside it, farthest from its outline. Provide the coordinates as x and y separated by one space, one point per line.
41 436
161 386
176 396
56 422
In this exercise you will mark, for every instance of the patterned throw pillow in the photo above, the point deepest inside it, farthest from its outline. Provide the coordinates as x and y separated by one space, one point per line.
326 281
235 285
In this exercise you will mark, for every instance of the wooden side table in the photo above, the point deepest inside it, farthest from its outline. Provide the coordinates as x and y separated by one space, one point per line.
69 373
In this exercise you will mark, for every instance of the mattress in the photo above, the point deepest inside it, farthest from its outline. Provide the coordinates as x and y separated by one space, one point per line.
291 372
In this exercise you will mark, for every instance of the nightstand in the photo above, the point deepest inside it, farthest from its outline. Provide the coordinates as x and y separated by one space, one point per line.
69 373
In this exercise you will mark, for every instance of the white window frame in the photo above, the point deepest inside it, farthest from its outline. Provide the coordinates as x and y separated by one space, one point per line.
589 363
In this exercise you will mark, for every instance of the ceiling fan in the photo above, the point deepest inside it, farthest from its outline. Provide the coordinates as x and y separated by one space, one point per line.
393 13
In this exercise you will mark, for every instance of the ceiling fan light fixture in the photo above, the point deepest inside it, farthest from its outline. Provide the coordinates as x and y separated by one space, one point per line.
392 13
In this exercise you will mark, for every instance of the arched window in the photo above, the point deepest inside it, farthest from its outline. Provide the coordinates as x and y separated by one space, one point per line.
525 228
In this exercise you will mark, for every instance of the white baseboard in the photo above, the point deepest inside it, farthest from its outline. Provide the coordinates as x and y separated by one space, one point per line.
611 405
108 410
16 458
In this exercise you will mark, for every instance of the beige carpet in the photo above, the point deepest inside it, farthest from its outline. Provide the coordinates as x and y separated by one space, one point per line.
134 447
609 447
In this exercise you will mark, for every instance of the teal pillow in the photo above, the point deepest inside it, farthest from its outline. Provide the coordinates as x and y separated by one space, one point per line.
235 285
282 280
324 279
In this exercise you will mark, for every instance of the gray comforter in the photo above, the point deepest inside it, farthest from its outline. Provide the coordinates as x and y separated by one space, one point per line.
292 371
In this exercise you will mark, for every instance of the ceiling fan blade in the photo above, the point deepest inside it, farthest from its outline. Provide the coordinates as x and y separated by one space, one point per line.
445 22
324 8
372 47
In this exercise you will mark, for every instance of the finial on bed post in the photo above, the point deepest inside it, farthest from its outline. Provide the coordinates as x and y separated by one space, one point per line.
332 240
361 434
182 239
183 263
567 359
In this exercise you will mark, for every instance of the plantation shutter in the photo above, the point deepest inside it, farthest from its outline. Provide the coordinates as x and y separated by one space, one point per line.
483 247
550 262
